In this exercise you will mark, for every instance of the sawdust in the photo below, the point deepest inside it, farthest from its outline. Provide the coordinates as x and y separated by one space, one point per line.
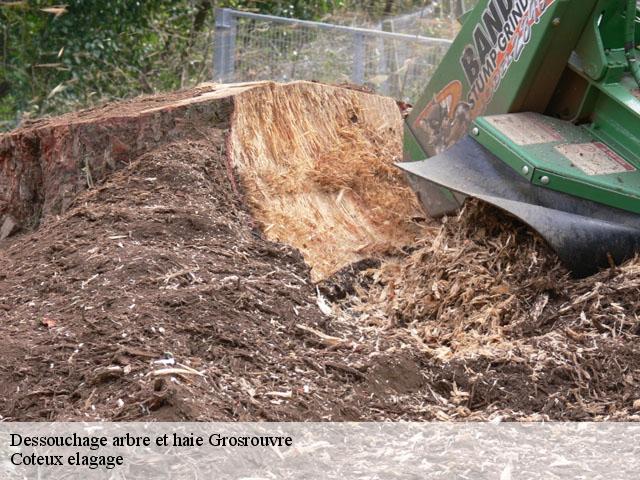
154 297
151 293
486 299
154 294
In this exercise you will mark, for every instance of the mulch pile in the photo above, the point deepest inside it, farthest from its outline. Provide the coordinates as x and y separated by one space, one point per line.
156 295
513 334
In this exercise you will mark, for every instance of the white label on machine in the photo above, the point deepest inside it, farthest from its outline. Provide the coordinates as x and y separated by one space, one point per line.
524 128
595 158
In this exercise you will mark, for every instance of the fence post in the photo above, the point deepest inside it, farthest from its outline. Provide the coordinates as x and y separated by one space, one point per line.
357 75
224 45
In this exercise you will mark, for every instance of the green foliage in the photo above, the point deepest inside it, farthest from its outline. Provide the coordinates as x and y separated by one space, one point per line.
298 8
54 57
91 50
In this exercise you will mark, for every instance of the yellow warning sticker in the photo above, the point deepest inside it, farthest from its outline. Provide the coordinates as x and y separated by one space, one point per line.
524 128
595 158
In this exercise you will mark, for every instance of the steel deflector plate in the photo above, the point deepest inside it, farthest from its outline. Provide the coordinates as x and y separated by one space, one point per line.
583 233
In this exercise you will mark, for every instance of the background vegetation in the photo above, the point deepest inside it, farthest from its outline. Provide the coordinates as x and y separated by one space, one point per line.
54 57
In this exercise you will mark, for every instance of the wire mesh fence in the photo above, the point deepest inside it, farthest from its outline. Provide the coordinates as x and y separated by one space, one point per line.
261 47
436 19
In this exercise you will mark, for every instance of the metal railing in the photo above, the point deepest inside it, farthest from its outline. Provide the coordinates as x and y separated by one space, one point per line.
251 46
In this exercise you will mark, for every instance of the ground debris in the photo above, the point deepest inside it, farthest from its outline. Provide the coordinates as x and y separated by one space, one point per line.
161 290
488 301
154 295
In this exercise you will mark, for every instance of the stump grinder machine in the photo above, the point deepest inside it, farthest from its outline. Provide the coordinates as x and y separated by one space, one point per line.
536 110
